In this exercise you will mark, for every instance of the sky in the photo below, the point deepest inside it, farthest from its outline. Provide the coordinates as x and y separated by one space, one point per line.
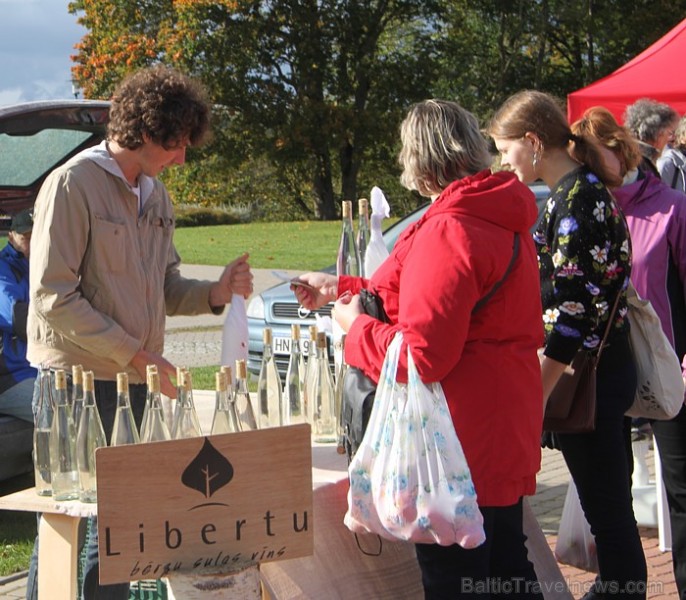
37 39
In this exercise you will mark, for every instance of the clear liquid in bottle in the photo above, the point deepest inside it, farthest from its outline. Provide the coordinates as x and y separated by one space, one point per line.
363 232
76 394
89 438
186 422
41 434
124 430
269 387
244 409
63 465
149 369
293 405
156 429
325 426
225 419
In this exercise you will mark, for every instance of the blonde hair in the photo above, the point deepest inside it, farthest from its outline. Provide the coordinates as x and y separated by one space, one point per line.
530 111
441 142
599 123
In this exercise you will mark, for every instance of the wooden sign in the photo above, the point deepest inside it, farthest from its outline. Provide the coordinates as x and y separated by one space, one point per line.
212 504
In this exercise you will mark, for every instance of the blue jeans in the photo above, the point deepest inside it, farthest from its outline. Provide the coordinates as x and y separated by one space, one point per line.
601 465
16 401
499 568
106 399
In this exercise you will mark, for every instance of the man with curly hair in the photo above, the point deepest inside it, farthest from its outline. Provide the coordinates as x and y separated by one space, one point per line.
104 270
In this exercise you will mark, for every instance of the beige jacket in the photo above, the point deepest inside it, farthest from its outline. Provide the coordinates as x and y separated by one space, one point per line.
102 277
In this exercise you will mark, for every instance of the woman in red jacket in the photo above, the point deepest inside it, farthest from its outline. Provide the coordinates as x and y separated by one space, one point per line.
486 362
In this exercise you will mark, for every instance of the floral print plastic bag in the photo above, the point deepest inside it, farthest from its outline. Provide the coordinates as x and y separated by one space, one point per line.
409 479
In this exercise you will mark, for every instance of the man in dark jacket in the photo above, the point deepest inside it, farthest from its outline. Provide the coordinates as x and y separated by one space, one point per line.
17 376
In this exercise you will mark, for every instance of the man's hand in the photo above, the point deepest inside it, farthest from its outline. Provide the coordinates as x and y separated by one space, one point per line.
235 279
143 358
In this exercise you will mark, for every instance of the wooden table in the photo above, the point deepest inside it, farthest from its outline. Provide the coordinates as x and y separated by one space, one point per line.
338 568
59 540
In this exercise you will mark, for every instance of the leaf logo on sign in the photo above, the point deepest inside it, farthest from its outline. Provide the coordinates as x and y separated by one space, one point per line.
208 472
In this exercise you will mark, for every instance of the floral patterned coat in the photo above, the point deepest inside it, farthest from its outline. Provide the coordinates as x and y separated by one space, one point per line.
584 254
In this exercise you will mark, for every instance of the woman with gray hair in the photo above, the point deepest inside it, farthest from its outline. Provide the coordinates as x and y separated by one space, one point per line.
486 360
672 162
652 124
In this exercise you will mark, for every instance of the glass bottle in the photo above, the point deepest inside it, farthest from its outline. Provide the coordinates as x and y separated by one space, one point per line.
186 422
156 429
293 408
339 398
231 392
225 419
324 426
89 438
63 465
149 369
124 430
363 232
310 374
76 394
244 410
41 434
348 259
269 386
229 379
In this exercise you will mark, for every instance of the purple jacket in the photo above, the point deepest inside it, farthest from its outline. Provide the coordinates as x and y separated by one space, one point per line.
656 216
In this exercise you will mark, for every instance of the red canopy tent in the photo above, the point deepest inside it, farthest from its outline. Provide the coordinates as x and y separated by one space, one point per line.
656 73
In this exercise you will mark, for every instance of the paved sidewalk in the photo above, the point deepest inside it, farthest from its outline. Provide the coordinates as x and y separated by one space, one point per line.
196 341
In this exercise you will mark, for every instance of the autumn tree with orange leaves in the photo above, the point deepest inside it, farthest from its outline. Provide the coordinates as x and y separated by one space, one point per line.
308 90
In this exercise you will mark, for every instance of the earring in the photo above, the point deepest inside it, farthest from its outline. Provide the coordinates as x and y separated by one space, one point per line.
534 159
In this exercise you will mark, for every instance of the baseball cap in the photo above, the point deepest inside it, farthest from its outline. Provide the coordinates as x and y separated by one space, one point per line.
22 222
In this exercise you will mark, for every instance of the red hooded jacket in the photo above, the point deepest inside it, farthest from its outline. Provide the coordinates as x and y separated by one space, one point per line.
486 363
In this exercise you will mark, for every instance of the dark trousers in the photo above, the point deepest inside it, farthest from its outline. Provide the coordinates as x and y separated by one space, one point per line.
500 567
671 442
601 465
106 399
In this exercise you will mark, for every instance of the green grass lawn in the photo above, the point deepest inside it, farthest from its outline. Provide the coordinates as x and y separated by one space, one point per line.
308 245
17 530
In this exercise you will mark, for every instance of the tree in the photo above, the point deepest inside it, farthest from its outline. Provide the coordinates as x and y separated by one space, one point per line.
491 49
315 86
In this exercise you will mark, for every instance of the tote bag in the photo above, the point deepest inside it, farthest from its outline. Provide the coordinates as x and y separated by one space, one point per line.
409 479
660 390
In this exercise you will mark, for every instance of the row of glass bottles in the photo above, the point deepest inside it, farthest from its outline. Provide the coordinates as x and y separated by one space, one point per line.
309 394
352 249
64 446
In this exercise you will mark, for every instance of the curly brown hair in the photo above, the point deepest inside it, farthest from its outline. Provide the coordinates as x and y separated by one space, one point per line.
161 104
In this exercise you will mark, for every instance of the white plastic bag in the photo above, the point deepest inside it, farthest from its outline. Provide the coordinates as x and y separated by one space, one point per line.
660 390
575 544
235 333
409 478
376 250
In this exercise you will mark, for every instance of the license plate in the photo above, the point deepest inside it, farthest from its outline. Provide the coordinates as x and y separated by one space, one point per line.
282 345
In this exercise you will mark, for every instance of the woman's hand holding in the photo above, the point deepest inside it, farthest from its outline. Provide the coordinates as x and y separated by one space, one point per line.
346 310
314 290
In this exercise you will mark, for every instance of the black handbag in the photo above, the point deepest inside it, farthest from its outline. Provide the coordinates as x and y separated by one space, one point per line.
571 407
359 390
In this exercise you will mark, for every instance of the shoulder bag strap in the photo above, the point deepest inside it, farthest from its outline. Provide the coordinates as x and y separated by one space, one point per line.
494 289
609 325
